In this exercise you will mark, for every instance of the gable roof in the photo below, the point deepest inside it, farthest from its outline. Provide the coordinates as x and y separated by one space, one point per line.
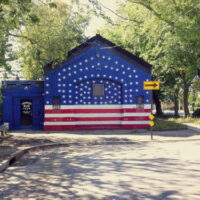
98 39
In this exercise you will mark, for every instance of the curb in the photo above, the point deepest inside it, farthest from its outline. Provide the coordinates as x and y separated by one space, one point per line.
193 127
16 156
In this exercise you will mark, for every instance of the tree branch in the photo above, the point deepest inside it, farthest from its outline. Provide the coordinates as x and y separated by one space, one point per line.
148 7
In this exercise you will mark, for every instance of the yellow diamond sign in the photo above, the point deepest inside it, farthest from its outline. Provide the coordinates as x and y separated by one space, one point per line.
151 123
151 117
151 85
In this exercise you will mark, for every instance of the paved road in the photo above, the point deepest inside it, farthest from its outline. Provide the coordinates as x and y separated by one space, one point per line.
158 170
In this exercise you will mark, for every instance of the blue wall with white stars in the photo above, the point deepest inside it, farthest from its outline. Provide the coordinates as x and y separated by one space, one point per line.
72 81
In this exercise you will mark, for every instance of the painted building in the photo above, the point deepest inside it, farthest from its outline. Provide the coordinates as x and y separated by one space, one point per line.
99 86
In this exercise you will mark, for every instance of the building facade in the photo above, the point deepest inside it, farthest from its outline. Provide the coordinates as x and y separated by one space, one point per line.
99 86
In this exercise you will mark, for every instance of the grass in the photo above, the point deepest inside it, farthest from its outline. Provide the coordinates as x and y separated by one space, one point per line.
167 124
182 120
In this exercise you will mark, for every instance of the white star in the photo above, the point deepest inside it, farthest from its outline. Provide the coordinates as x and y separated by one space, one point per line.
98 64
110 76
63 91
131 83
59 90
123 72
98 75
131 90
47 85
80 63
104 75
116 62
75 66
92 75
64 77
111 68
147 92
47 102
134 70
103 57
59 79
92 58
70 85
85 77
63 96
136 83
75 72
70 101
80 78
69 68
80 69
130 76
117 69
109 58
106 66
136 76
47 78
64 70
59 74
147 100
64 85
128 68
64 101
86 60
47 92
136 90
74 80
69 74
59 85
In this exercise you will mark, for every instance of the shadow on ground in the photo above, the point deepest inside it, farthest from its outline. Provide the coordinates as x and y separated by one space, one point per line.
105 172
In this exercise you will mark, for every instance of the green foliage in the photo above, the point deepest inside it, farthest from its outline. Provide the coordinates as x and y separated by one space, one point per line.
13 13
53 31
165 33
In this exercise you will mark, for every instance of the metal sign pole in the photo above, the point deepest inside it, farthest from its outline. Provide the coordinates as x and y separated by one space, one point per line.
151 129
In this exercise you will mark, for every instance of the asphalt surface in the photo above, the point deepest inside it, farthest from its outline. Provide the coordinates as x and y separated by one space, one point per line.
155 170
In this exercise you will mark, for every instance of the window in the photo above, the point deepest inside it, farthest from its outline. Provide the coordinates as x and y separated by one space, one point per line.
98 90
140 102
56 103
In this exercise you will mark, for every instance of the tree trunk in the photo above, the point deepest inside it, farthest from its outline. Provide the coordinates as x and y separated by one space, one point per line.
185 99
157 103
176 107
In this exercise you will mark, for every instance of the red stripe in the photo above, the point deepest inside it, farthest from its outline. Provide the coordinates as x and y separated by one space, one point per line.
73 119
47 111
93 127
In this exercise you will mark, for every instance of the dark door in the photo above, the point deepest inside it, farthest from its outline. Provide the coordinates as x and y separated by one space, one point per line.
26 112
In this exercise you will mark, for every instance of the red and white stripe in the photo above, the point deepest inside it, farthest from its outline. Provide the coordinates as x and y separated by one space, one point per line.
70 117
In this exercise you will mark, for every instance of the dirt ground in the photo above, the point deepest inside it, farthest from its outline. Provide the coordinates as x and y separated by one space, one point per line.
20 140
151 170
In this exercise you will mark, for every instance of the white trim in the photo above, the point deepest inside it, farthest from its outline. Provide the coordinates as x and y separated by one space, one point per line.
122 106
96 122
78 115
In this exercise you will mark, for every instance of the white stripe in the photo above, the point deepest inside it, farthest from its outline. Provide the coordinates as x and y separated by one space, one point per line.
96 122
99 115
49 107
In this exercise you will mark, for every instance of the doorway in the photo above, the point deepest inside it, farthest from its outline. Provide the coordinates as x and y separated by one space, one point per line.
26 111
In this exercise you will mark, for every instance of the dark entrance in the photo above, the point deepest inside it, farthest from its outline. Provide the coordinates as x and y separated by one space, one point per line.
26 112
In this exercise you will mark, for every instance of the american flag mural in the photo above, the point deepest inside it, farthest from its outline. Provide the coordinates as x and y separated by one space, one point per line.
97 89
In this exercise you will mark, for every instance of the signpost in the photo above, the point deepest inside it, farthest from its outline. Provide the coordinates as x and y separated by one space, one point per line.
151 85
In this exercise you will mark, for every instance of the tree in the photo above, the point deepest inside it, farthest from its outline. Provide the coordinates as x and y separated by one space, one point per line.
55 31
13 13
164 33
